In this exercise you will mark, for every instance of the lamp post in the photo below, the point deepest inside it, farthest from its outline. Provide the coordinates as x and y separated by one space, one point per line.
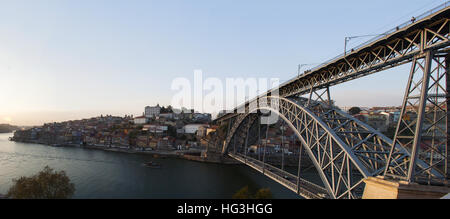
347 39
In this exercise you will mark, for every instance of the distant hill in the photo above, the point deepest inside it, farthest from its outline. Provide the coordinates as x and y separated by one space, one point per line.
6 128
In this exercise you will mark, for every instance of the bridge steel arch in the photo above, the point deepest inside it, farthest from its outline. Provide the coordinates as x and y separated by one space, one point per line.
344 150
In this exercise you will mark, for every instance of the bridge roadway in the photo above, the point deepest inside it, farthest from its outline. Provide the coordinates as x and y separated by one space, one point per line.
307 189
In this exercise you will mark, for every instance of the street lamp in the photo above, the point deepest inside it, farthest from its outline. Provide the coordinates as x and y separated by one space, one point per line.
300 67
303 65
347 39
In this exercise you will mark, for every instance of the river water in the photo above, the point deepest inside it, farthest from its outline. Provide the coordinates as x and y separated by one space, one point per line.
103 174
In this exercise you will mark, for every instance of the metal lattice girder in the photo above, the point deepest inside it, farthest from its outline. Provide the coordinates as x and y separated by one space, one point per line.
234 127
396 48
320 96
388 52
343 149
422 127
303 187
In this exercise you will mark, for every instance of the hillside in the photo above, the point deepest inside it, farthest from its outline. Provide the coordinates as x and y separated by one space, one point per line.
6 128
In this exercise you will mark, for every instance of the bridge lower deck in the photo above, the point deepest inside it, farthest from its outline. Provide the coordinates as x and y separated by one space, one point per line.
300 186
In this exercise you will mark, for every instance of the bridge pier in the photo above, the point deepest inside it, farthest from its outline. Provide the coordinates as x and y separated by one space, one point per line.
380 188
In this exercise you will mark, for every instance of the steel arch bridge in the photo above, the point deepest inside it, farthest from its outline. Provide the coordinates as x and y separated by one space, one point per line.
344 150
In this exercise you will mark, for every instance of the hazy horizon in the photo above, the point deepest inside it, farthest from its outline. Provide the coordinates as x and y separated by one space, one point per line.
69 60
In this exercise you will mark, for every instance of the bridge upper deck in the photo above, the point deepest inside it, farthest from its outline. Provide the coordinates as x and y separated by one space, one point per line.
397 46
387 50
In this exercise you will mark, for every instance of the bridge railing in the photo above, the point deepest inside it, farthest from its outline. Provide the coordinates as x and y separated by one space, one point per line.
308 188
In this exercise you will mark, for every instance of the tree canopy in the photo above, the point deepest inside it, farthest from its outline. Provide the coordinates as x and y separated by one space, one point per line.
169 109
263 194
47 184
354 110
245 193
242 193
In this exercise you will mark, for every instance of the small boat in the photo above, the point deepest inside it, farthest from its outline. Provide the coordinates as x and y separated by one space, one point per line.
153 165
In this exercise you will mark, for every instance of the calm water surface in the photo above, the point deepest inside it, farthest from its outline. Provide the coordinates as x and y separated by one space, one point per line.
102 174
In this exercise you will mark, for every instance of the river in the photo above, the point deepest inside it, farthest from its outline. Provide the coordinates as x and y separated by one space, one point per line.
103 174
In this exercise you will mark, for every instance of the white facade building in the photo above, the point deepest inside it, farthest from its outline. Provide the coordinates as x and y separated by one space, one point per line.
155 128
140 120
152 111
166 115
192 128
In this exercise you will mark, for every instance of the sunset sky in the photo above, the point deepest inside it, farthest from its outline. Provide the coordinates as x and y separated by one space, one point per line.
63 60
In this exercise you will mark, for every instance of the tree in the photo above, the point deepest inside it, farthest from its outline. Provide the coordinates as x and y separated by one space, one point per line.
390 132
263 194
242 194
169 109
172 131
245 193
354 110
47 184
132 136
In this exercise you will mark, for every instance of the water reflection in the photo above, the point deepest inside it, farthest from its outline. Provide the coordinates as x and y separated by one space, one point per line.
101 174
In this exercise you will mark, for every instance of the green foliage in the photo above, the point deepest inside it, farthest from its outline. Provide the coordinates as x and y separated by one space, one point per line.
263 194
172 131
354 110
47 184
133 133
169 109
245 193
390 132
242 194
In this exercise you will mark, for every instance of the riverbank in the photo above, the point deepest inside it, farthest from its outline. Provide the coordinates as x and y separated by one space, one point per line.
179 154
99 174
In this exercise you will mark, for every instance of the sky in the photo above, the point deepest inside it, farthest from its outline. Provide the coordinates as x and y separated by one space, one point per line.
65 60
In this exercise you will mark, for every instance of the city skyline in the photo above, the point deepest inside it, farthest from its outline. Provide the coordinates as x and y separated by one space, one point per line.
61 60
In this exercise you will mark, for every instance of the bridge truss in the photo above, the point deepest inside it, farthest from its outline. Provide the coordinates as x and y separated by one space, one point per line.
344 150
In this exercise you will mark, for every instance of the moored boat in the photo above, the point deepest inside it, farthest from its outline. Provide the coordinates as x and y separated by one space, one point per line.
152 164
